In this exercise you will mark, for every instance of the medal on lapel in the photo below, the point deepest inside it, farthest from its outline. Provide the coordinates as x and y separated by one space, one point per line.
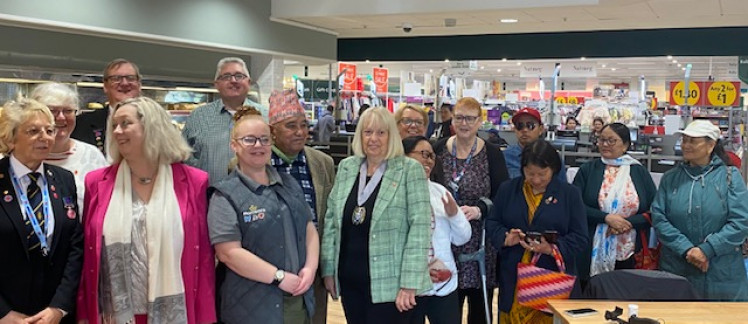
359 215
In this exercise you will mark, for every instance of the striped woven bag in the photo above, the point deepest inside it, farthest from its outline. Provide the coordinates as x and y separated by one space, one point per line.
535 285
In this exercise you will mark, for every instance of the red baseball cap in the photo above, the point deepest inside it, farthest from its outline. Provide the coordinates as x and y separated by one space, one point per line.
528 111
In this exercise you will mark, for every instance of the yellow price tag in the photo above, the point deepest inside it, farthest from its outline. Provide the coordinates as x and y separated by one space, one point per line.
572 100
561 100
679 95
721 94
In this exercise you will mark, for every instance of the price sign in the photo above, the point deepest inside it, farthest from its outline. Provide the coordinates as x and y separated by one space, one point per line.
561 100
381 76
678 93
723 94
349 78
573 100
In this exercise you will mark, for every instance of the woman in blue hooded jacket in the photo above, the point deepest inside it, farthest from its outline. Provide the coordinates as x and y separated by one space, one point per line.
700 214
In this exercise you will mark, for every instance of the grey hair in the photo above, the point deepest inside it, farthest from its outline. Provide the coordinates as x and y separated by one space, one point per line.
55 94
227 60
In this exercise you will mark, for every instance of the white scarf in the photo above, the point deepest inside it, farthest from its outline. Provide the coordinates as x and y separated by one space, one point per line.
604 245
165 243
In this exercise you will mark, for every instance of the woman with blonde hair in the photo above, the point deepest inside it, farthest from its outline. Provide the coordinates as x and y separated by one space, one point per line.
411 121
148 257
376 238
262 230
40 232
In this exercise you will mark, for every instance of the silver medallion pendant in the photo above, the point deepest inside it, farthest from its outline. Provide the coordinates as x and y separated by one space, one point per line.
359 215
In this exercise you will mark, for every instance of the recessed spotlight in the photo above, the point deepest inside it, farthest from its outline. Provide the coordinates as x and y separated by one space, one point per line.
679 65
508 20
612 69
482 67
675 61
503 60
683 68
519 63
431 70
604 65
446 60
583 58
669 57
498 70
367 61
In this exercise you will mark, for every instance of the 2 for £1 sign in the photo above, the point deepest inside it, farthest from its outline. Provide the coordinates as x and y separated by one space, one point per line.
723 94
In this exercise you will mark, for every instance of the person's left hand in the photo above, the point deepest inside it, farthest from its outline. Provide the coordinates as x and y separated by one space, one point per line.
698 259
406 299
47 316
542 247
471 212
450 205
307 278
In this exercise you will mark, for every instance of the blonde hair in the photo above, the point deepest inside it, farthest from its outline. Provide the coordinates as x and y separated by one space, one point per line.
400 112
383 119
468 103
15 113
250 114
55 94
162 142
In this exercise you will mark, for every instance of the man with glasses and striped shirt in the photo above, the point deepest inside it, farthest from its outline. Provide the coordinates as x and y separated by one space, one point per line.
208 130
528 126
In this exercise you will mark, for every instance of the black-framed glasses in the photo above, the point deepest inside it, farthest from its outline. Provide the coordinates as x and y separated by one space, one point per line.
252 140
465 119
411 122
120 78
427 154
235 77
529 125
607 141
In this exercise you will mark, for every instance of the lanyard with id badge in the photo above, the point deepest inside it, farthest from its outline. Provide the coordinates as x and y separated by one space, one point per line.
23 200
454 182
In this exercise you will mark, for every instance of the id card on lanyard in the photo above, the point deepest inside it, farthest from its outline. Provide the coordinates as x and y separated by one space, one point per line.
454 183
23 200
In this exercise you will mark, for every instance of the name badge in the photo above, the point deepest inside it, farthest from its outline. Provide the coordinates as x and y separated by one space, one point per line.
253 214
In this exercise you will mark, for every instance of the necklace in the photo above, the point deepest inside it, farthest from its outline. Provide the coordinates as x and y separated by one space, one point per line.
142 180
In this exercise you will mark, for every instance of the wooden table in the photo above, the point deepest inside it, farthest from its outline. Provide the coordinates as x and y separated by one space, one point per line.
666 312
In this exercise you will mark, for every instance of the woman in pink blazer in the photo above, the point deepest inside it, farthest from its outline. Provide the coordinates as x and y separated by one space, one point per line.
147 255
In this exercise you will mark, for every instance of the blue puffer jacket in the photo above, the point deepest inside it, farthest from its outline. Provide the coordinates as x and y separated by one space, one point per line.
695 207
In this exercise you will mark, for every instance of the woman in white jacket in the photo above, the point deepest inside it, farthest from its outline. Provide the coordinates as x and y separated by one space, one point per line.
449 226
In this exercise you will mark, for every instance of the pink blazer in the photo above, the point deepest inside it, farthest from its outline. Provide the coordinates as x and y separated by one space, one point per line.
198 265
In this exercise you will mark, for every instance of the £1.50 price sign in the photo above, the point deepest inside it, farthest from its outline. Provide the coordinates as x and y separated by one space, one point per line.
678 93
723 94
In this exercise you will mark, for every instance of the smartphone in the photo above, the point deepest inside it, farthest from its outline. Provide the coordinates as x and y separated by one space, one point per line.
533 236
551 236
579 312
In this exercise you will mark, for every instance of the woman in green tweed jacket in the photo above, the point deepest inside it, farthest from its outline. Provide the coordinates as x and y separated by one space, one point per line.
377 227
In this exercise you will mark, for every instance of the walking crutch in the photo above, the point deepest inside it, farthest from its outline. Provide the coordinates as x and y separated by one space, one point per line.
485 205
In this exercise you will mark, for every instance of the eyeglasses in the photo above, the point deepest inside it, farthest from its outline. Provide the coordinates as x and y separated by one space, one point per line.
465 119
529 125
35 131
607 141
116 79
65 112
235 77
427 154
252 141
412 122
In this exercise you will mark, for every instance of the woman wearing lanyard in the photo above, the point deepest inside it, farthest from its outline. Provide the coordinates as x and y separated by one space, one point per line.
40 232
376 238
464 162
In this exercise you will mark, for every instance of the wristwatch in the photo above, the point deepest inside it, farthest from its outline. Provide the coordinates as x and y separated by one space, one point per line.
279 275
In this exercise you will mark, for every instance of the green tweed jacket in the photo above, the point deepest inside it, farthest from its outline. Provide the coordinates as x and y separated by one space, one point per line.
399 237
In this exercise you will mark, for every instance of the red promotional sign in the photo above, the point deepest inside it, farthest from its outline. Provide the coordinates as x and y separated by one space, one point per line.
349 79
381 77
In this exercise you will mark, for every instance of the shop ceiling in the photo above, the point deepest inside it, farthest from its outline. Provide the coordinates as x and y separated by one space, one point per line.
372 19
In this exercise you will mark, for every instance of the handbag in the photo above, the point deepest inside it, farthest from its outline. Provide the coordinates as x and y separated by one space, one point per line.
648 258
535 285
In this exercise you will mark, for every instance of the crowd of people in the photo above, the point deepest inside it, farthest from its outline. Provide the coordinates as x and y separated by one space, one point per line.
114 216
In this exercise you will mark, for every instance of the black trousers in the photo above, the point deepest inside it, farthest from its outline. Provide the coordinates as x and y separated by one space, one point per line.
439 310
359 308
476 311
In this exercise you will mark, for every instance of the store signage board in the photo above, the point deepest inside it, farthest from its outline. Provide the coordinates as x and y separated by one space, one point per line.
578 70
349 78
381 79
537 70
743 68
317 90
706 94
